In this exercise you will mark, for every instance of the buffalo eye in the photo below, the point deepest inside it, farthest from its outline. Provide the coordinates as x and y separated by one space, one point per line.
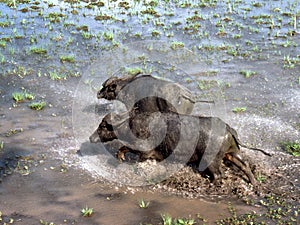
102 125
112 87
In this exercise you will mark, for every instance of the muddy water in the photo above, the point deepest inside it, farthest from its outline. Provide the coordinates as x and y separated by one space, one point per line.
58 197
42 175
57 184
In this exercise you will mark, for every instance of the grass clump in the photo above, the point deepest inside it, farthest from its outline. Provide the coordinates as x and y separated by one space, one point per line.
239 109
4 24
67 58
108 36
177 45
290 62
87 212
55 17
43 222
29 96
168 220
86 35
143 204
2 43
207 84
13 132
261 178
155 33
277 209
55 76
133 71
38 50
18 96
22 96
247 73
292 148
37 105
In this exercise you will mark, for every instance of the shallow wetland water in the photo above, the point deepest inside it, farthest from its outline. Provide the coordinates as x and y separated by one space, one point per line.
243 55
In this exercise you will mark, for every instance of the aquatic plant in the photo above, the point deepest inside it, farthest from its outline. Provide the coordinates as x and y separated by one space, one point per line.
2 44
133 70
67 58
5 218
13 132
55 17
239 109
292 148
207 84
168 220
37 105
277 209
176 45
18 96
108 36
4 24
143 204
87 212
155 33
38 50
247 73
55 76
261 178
290 62
86 35
43 222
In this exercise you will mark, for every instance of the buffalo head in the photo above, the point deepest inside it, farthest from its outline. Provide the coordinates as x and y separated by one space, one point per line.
112 86
107 128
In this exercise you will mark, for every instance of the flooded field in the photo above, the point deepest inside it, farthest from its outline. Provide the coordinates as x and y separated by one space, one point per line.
55 55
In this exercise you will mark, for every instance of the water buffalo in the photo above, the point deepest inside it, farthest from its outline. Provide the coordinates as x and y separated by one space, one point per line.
158 95
214 138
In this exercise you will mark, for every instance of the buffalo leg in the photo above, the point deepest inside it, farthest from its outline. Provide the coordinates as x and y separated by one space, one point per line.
123 150
121 153
142 155
215 168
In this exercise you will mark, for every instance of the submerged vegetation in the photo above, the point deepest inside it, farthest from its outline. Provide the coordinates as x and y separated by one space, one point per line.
143 204
67 58
206 27
22 96
247 73
168 220
239 109
292 148
37 105
38 50
56 76
134 71
86 212
273 208
277 209
18 96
